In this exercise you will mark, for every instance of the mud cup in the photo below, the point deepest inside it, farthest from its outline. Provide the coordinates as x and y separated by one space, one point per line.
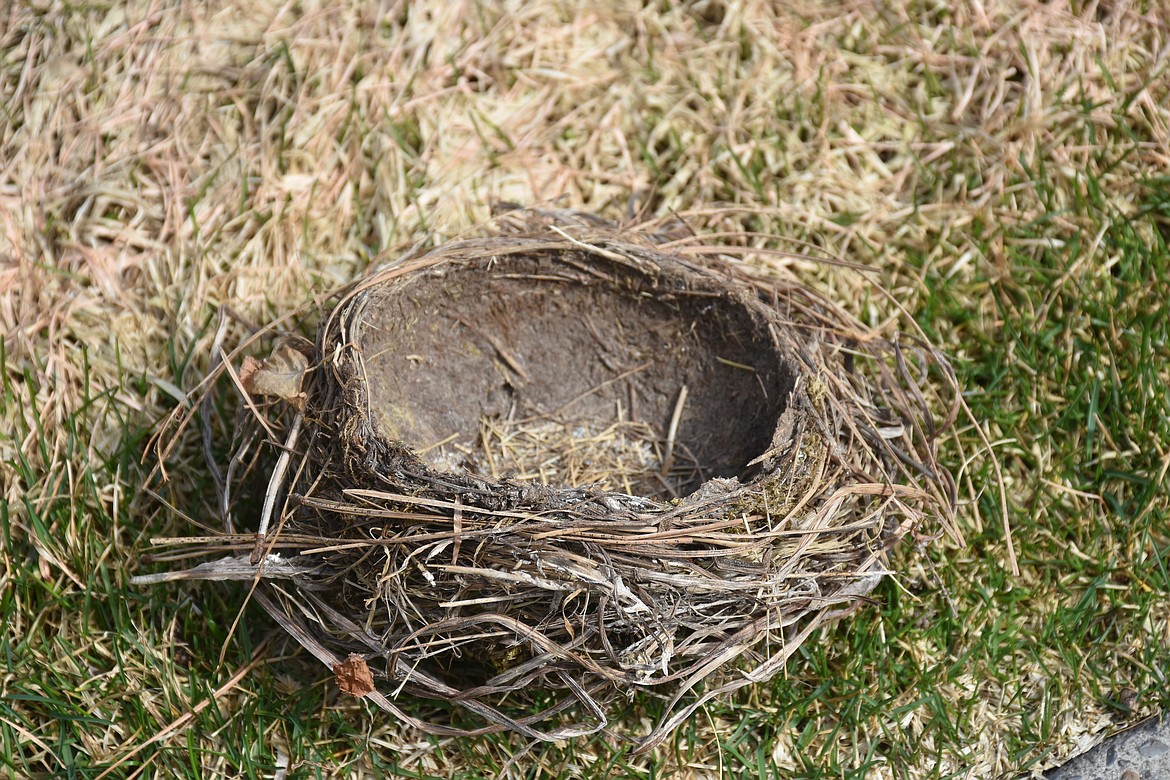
571 370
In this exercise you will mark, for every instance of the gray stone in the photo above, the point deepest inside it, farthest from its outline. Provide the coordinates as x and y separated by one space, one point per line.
1140 753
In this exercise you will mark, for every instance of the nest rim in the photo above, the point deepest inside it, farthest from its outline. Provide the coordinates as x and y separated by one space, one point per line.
658 276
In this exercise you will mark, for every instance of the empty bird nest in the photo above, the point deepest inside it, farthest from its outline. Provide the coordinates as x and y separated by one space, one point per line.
531 473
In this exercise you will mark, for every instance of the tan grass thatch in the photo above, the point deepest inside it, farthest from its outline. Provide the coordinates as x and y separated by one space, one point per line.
583 459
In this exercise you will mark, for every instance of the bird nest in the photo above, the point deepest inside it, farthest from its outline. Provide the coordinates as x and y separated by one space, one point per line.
531 473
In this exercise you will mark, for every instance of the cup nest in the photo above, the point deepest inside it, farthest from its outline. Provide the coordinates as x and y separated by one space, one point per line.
531 473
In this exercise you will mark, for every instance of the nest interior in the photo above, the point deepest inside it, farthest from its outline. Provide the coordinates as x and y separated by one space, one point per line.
497 365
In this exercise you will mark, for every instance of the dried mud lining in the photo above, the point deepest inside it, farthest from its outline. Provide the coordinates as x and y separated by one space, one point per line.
531 473
489 366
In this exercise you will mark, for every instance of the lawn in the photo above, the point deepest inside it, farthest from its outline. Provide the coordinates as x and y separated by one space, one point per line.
1002 167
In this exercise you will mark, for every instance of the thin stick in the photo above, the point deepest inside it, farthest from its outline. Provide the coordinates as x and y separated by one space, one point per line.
235 377
500 349
274 485
458 533
668 462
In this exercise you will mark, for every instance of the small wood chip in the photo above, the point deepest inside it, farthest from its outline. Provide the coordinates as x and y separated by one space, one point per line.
353 676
